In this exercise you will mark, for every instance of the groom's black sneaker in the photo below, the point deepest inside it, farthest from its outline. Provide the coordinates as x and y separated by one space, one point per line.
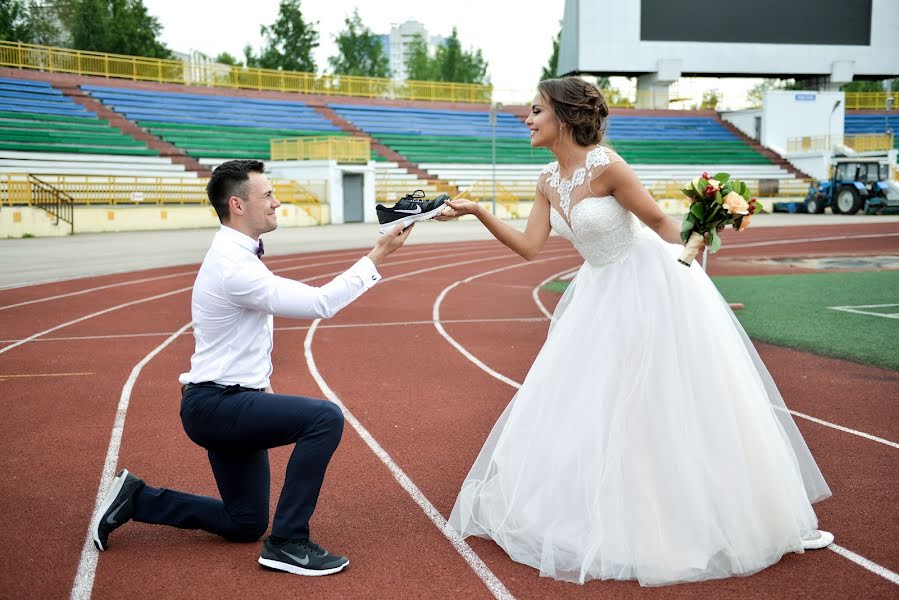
117 508
301 558
411 208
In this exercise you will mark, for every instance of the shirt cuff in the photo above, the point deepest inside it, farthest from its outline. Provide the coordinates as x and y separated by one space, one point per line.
366 271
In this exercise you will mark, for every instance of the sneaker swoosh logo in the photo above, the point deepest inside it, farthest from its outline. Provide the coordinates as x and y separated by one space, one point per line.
411 212
303 561
111 517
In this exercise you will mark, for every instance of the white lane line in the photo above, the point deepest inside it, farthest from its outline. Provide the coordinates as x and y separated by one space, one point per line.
78 338
435 315
535 293
867 436
87 566
474 561
869 313
179 290
181 274
864 562
90 316
96 289
807 240
84 578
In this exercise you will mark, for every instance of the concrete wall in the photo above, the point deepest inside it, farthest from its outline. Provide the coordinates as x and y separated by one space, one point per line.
18 221
332 172
745 121
791 114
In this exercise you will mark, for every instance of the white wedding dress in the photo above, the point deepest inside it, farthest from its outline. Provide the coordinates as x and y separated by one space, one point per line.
648 440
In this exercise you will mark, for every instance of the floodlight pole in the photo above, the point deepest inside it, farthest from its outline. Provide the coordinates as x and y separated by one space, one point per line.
494 107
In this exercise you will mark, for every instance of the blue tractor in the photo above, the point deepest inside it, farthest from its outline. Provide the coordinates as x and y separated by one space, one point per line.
854 184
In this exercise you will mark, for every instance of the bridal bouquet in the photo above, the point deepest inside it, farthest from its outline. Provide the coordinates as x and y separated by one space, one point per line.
715 202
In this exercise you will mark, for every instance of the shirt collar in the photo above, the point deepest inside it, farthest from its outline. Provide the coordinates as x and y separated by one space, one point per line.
239 238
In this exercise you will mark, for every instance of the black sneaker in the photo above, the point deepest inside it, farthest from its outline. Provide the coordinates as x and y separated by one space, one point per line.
411 208
117 508
301 558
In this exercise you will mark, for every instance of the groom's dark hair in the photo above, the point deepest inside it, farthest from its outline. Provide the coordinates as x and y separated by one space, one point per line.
230 179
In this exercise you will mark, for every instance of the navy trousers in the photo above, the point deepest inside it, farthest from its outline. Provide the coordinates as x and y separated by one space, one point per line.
237 428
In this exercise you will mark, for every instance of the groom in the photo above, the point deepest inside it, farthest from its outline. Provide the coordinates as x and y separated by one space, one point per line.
227 403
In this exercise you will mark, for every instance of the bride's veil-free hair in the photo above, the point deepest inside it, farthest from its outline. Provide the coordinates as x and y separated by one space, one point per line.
579 106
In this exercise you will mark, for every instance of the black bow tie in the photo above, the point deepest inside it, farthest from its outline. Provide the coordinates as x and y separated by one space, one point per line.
260 250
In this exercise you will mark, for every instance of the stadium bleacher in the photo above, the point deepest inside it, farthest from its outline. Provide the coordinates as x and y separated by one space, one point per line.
219 126
860 124
36 117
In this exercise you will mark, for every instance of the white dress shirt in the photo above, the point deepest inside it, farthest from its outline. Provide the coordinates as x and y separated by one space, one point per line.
234 298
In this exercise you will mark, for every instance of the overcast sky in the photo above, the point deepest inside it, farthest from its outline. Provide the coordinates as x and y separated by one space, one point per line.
514 37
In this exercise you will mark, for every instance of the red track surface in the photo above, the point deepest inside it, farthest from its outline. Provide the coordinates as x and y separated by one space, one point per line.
428 406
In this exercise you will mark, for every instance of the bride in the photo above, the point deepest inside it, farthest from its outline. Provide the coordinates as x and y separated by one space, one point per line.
648 440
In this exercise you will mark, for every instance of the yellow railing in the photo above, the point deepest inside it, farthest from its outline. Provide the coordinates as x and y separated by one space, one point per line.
390 190
486 191
136 68
878 142
811 143
872 100
16 189
347 149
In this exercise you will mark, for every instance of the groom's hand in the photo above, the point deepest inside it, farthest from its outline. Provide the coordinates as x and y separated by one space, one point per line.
388 243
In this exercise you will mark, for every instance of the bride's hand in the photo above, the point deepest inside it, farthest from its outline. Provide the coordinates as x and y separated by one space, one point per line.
457 208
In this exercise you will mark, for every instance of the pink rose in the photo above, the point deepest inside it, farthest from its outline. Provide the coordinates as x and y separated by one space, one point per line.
735 204
744 222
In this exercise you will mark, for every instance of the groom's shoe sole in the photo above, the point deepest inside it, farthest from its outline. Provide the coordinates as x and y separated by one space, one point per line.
406 221
289 568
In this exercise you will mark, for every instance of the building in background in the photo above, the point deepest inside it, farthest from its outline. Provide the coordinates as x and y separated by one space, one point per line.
396 45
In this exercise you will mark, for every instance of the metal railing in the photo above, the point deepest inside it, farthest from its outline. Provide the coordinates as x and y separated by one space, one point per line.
79 190
138 68
52 200
872 100
877 142
347 149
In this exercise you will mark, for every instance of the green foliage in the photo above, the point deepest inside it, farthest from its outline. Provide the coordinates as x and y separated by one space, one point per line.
117 27
290 41
360 51
226 59
450 63
863 86
710 99
35 21
551 69
419 65
15 24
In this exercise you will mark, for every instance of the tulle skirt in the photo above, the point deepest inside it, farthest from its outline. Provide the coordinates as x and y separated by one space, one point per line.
648 440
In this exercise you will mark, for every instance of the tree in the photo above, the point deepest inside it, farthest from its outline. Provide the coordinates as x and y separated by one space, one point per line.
864 86
15 25
710 99
226 59
290 41
551 69
457 65
360 51
419 65
118 27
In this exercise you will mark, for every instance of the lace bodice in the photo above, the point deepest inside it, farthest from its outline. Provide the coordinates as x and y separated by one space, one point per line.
599 228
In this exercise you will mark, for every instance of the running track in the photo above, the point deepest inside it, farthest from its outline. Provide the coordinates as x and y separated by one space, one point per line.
89 377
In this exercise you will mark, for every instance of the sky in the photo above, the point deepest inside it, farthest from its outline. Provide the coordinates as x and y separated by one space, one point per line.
515 37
